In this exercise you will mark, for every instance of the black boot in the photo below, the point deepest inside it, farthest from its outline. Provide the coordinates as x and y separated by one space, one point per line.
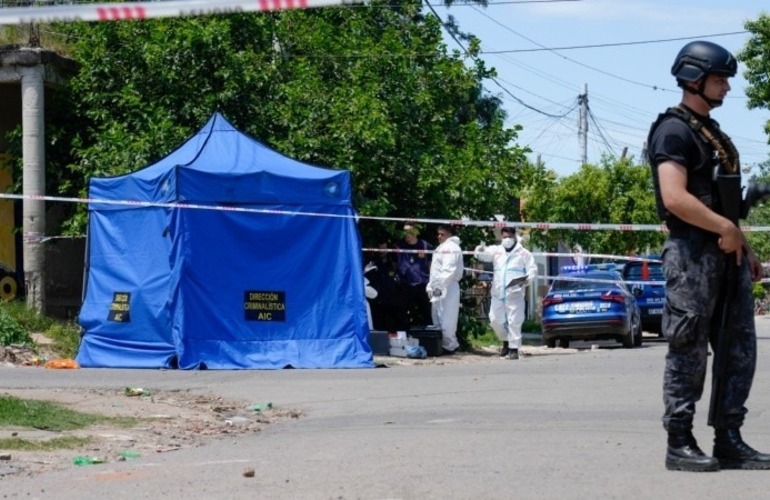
733 453
505 350
513 354
683 454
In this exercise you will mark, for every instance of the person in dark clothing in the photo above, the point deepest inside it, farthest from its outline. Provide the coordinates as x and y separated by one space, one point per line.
686 150
387 308
413 273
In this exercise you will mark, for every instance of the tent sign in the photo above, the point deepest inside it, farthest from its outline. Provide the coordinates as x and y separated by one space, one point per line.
265 306
119 309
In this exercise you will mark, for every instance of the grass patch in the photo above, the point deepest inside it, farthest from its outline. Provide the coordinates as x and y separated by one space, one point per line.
17 322
486 339
50 416
66 337
59 443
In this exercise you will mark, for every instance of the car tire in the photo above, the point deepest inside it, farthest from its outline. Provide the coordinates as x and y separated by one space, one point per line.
629 339
550 343
564 343
8 288
639 335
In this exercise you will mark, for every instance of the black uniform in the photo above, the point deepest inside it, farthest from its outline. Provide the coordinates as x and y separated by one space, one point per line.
694 268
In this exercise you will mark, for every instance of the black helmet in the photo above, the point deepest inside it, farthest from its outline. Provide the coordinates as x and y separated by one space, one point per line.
700 58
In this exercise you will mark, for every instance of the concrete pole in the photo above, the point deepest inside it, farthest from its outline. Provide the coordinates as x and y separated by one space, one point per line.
33 157
583 125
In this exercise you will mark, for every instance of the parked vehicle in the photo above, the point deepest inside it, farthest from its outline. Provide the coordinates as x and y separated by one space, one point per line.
590 303
647 283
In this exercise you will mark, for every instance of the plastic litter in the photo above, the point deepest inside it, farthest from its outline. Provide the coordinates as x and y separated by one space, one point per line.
262 406
62 364
136 391
84 460
416 352
130 454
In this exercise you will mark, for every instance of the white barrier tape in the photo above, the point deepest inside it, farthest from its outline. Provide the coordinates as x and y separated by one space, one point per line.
543 226
477 223
150 10
537 254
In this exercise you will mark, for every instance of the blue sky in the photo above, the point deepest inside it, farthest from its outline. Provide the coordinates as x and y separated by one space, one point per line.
627 85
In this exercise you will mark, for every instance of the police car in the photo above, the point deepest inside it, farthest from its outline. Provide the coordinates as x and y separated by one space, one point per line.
647 283
590 303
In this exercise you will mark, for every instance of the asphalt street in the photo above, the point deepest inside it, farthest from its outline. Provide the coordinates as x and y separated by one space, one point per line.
580 425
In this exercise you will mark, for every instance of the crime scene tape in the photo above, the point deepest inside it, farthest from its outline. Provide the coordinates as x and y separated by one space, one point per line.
537 254
156 9
541 226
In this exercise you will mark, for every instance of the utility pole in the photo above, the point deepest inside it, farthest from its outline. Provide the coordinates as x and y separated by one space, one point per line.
583 125
33 180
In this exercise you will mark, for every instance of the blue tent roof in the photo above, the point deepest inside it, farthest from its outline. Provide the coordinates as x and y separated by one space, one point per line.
221 164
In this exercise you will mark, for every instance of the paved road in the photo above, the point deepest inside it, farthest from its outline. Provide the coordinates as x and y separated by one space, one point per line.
583 425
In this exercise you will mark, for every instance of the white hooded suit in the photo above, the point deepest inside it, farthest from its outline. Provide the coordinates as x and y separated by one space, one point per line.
506 311
446 270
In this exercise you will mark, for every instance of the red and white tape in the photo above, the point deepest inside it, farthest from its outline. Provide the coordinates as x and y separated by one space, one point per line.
542 226
150 10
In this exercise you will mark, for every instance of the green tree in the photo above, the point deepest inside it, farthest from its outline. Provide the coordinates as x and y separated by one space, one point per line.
760 216
614 192
373 90
756 57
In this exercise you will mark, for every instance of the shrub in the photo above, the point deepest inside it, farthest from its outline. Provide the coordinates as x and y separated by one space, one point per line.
11 332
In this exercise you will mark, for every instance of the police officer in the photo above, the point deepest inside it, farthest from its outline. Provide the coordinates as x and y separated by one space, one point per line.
686 150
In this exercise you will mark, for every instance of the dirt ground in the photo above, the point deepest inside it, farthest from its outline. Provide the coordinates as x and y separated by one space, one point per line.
169 421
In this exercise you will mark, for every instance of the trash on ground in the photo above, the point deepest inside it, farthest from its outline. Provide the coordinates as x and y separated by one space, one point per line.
136 391
262 406
62 364
85 460
129 454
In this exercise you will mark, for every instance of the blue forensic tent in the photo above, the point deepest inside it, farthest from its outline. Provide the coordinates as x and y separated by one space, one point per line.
230 256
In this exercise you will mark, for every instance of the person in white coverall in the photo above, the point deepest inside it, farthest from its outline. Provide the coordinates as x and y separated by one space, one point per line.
443 287
370 293
514 268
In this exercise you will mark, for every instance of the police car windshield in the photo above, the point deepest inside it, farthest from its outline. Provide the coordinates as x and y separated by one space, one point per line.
609 281
633 271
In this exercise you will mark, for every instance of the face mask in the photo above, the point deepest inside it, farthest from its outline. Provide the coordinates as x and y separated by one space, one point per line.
508 243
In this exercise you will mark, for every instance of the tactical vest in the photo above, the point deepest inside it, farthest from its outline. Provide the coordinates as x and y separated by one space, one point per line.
718 157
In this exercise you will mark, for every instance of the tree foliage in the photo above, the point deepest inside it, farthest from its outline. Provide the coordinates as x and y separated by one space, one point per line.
760 216
370 89
756 57
614 192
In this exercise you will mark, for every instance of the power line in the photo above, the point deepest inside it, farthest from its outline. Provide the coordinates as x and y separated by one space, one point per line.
504 89
612 44
543 47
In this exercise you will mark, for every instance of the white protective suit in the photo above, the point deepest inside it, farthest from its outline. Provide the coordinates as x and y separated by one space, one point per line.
446 270
370 293
506 309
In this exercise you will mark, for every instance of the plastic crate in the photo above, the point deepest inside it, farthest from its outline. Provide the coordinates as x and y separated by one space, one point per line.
398 346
